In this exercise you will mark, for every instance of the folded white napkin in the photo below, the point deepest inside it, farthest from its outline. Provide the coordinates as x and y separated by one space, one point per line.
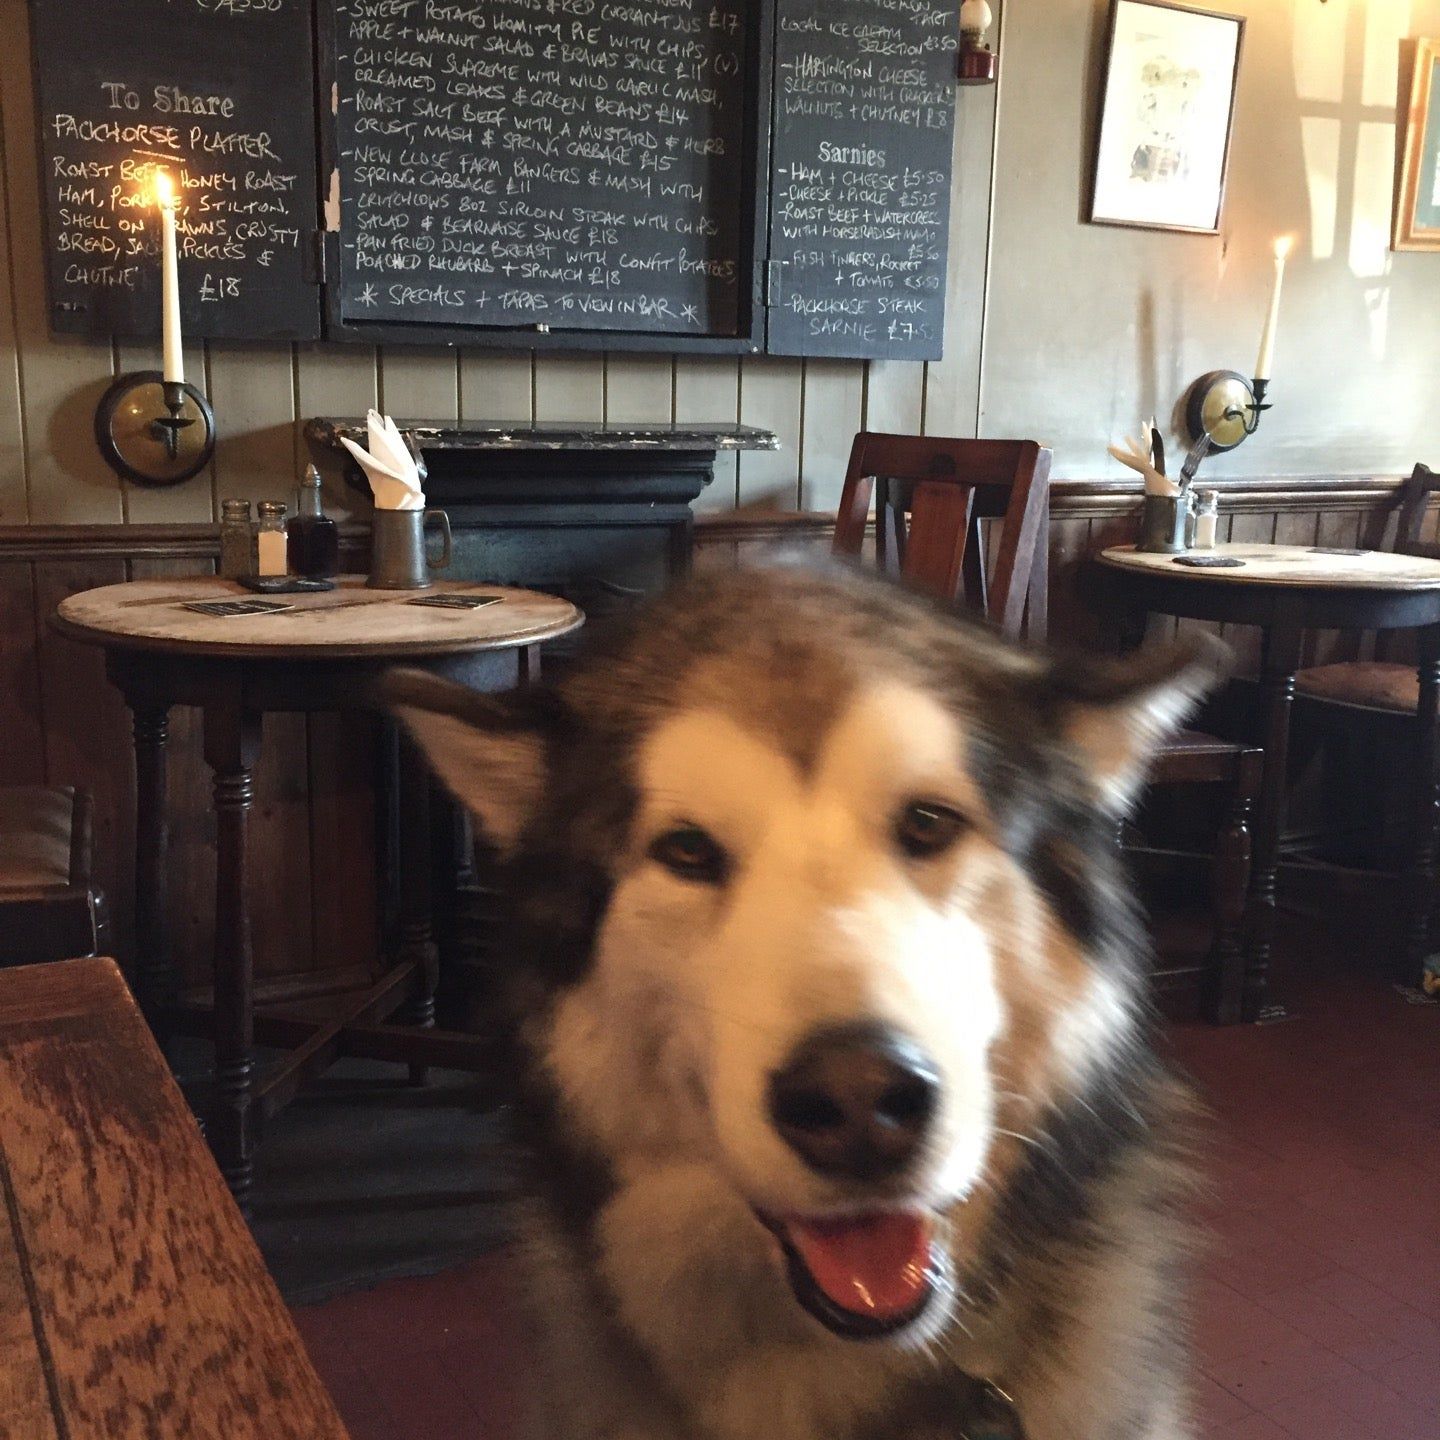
1138 458
388 465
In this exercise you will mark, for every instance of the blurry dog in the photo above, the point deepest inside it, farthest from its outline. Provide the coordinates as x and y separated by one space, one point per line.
829 992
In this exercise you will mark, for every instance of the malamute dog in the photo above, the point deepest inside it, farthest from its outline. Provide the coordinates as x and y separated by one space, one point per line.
830 1003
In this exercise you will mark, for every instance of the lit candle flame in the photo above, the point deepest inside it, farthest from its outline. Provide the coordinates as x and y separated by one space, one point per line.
1282 246
164 190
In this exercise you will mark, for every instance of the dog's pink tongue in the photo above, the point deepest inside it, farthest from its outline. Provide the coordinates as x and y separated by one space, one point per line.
877 1266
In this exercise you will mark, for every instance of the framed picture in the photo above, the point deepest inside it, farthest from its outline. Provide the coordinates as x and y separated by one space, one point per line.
1417 210
1165 117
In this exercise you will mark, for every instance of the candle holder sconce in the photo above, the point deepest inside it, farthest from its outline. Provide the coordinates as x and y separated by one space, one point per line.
154 431
1226 406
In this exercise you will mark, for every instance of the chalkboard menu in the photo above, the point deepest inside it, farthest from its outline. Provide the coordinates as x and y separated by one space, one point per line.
566 165
723 175
864 116
220 93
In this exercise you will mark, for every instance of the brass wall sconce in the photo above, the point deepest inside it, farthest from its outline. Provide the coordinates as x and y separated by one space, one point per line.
154 431
1226 406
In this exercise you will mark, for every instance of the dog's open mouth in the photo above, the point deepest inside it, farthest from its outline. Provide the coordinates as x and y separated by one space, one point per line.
863 1276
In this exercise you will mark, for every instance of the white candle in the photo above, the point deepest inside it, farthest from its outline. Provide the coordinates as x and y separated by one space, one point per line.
1272 316
169 278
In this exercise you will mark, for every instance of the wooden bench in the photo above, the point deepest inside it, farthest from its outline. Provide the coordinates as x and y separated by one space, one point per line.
49 908
134 1304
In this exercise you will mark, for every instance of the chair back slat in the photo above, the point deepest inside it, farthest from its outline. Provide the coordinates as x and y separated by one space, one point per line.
930 495
1414 503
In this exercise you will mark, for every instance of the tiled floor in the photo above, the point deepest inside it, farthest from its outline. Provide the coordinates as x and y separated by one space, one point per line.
1318 1310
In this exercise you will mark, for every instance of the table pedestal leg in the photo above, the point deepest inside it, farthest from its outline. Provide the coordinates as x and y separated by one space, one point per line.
232 746
1280 659
156 987
1426 840
417 931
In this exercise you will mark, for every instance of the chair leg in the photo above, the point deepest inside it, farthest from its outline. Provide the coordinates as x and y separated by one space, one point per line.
1224 988
100 924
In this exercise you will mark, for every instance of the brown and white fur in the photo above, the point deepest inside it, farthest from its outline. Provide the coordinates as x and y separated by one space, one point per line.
790 717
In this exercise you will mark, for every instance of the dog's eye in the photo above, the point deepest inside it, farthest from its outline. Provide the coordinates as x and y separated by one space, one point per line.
924 828
687 851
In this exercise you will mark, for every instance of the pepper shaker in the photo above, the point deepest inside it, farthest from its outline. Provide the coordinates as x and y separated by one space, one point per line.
237 540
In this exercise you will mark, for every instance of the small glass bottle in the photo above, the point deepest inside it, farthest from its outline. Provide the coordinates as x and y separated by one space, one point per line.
270 540
314 537
237 540
1207 519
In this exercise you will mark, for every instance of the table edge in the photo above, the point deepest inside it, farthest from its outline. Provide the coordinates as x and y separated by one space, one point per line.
215 650
1224 575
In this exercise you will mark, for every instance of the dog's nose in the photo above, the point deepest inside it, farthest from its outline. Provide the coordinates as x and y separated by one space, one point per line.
855 1101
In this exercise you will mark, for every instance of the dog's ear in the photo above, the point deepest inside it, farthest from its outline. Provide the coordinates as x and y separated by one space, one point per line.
1115 714
489 751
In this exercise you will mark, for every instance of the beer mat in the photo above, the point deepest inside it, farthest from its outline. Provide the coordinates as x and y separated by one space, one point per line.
1334 550
456 602
225 608
1209 562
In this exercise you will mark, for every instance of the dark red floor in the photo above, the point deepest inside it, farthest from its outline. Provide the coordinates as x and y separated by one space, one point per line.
1318 1308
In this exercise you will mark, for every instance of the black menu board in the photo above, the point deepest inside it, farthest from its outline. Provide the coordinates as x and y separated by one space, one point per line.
220 93
864 116
556 166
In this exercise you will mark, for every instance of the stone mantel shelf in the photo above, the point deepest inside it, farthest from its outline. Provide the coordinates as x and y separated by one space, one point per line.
493 435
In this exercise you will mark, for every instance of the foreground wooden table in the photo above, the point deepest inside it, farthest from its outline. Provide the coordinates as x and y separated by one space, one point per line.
1286 590
324 653
133 1302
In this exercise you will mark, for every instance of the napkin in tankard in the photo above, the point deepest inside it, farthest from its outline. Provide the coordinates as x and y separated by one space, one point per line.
389 465
1138 458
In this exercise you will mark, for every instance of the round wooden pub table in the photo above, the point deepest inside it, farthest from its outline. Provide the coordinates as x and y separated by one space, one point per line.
323 653
1285 590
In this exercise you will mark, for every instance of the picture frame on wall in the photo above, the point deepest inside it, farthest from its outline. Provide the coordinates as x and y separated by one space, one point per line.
1166 115
1417 207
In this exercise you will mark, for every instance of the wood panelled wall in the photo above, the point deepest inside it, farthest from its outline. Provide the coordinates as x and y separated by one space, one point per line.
314 824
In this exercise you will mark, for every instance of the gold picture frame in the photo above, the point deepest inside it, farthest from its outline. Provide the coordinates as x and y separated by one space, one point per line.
1417 205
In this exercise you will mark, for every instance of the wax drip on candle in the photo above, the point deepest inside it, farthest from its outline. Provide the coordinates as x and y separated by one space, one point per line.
166 200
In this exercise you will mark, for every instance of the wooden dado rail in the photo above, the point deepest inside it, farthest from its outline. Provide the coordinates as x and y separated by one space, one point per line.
314 822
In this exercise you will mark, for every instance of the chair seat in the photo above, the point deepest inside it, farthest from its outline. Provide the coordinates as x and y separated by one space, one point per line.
1197 742
36 837
1370 684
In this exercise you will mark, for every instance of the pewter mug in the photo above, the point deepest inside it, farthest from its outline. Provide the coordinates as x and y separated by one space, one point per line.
1163 521
397 548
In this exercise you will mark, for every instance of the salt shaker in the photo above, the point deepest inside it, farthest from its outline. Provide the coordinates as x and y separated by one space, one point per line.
1207 520
271 543
237 540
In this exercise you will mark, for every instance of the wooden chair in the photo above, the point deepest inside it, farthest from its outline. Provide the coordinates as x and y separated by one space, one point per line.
1363 711
930 495
49 907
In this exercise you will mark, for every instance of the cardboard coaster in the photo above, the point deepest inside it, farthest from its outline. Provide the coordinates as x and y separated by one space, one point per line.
226 608
455 602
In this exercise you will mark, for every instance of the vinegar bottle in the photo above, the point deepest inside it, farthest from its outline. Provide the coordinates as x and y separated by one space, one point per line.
314 537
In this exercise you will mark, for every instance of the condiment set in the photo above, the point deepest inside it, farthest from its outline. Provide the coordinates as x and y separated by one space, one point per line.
274 555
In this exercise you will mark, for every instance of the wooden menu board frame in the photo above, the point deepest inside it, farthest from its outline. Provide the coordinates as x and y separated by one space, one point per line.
744 209
753 200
